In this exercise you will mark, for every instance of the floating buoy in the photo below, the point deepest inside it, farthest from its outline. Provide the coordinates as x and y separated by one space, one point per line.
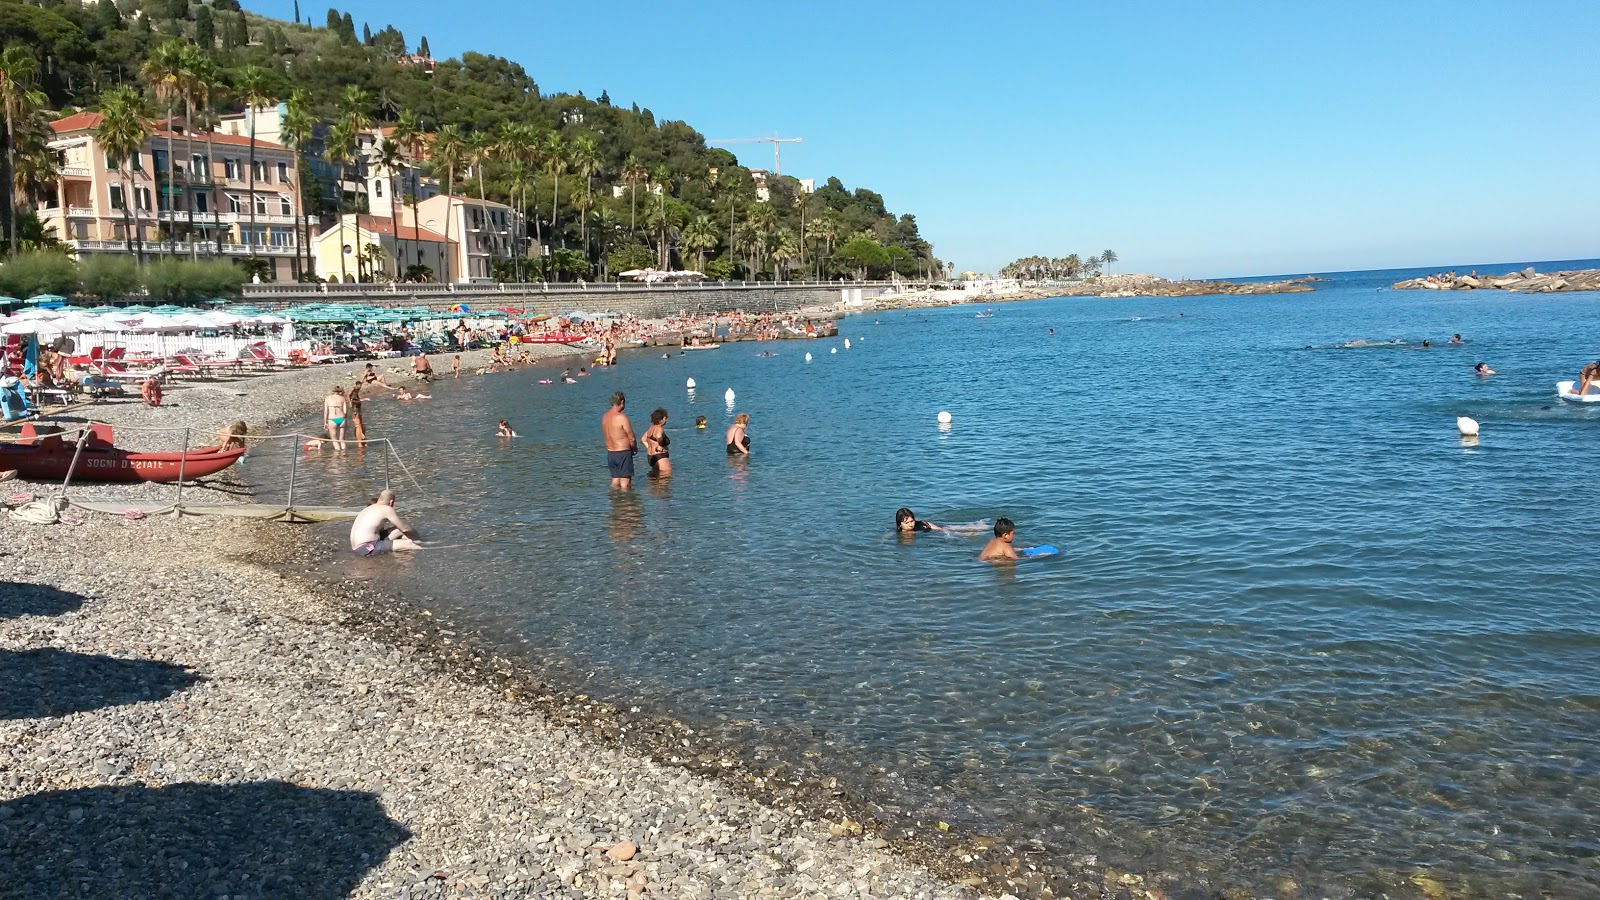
834 350
1467 426
944 418
691 384
808 356
728 395
847 343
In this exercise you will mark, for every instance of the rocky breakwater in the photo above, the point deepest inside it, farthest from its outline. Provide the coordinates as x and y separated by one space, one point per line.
1141 285
1527 281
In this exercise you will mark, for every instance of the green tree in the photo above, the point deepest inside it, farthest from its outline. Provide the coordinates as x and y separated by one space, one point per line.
862 255
339 148
108 275
298 126
700 235
252 89
585 160
1108 257
21 99
122 134
553 152
39 272
449 149
205 28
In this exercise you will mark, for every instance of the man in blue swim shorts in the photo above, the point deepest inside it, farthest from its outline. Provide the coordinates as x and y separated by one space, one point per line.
620 443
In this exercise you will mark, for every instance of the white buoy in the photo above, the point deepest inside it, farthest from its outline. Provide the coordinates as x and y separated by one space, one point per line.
691 384
808 356
728 395
847 343
944 418
834 350
1467 426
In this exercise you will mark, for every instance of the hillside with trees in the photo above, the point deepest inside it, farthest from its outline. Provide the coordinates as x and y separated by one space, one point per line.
480 121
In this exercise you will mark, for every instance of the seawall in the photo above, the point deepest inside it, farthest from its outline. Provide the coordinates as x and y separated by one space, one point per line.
644 301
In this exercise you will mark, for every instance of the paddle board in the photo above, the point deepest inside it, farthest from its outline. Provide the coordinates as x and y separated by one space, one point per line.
1031 552
1564 389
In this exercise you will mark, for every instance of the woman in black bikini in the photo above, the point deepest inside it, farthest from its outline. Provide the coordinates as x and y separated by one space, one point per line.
656 443
906 522
738 441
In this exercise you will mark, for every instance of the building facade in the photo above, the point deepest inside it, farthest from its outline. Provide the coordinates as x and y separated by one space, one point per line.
187 195
481 233
363 249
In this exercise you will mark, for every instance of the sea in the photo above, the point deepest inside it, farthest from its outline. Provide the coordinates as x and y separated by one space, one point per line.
1300 628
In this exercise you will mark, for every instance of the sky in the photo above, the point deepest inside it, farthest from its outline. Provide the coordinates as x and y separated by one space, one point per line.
1193 139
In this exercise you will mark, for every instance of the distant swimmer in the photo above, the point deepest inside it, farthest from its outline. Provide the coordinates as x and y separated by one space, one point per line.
1052 331
620 443
906 522
700 422
1456 339
371 534
1482 369
1426 343
1589 375
999 547
505 429
738 442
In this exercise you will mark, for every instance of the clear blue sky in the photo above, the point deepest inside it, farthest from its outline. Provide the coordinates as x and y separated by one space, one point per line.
1200 139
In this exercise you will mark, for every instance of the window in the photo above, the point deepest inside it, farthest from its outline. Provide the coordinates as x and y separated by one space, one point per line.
260 170
282 237
230 168
285 208
197 164
164 200
261 205
112 163
137 161
283 173
159 157
202 203
377 188
235 204
142 195
116 197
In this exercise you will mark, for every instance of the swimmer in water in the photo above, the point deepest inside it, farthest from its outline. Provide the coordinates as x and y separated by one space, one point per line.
906 522
1426 343
700 422
1456 339
738 441
505 429
999 547
1482 369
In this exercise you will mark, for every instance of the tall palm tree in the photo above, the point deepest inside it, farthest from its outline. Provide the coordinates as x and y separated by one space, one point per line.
633 172
700 235
388 161
163 71
407 137
661 182
783 248
449 148
252 88
122 134
480 149
508 146
21 99
554 151
196 75
605 226
297 130
585 159
339 147
1108 257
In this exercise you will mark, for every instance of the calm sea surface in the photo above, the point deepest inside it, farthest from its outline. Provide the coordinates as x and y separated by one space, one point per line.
1299 627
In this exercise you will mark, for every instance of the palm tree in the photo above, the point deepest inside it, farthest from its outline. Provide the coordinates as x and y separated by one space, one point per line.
407 136
163 71
605 225
480 149
554 152
662 183
449 148
1108 257
122 134
196 75
801 199
21 99
297 130
633 172
783 248
700 235
387 162
340 150
253 91
585 159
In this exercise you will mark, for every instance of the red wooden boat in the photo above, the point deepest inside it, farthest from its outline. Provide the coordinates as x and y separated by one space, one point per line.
549 337
47 457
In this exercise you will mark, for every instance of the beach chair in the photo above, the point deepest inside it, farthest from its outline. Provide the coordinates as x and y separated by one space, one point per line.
118 372
262 356
194 365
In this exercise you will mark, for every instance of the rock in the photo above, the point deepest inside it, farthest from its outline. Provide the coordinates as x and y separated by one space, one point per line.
622 852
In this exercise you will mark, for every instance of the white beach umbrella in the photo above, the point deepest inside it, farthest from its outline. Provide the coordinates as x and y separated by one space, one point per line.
31 326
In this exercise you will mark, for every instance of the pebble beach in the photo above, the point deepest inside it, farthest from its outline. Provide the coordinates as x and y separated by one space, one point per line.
180 717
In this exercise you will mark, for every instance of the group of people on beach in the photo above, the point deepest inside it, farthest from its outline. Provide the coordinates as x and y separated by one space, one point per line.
622 446
341 409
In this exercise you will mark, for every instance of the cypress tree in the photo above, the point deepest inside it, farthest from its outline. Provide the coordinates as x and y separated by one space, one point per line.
333 20
422 48
366 34
297 12
205 29
242 36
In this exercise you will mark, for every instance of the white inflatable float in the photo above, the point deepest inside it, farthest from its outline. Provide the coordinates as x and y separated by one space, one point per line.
1564 389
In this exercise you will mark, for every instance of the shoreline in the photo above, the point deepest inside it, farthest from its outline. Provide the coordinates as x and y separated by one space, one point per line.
823 845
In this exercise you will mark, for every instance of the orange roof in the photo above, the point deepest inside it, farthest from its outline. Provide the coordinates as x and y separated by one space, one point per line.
379 225
88 121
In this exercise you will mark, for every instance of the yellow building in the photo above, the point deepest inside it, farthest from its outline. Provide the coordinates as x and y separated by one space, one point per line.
203 209
345 252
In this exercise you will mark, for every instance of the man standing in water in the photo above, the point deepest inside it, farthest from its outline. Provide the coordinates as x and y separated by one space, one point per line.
620 443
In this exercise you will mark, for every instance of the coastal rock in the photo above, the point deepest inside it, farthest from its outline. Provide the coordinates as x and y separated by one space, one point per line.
1527 281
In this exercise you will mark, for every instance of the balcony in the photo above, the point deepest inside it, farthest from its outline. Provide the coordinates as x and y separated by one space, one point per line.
154 247
243 218
181 217
180 176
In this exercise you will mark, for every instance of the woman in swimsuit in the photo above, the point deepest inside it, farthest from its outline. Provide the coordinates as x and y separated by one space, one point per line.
906 522
334 410
656 443
356 425
738 441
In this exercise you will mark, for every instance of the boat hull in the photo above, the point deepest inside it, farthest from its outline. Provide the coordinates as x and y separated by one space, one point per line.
37 462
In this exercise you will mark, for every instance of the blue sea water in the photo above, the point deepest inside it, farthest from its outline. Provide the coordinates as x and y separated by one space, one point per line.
1298 627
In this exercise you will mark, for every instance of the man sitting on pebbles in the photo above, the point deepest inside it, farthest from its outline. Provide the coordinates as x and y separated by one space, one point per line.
370 532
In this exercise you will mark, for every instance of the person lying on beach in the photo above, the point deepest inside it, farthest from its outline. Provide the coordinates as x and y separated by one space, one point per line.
1482 369
505 429
231 436
906 522
370 375
999 547
1589 375
371 534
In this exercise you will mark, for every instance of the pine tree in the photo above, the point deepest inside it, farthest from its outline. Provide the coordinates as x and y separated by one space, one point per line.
333 20
205 28
422 48
605 98
242 30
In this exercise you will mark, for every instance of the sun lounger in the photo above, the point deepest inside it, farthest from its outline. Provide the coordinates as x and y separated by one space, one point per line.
116 371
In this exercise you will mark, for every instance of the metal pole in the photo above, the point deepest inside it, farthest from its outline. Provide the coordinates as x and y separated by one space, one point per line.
181 460
294 462
387 449
78 451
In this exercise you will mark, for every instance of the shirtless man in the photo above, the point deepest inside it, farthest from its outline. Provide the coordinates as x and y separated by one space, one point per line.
421 368
620 443
367 532
999 547
1589 375
335 409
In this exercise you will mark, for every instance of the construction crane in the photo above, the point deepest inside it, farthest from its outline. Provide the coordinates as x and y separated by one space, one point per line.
776 142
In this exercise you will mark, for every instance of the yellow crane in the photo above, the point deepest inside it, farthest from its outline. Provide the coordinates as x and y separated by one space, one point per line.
776 142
